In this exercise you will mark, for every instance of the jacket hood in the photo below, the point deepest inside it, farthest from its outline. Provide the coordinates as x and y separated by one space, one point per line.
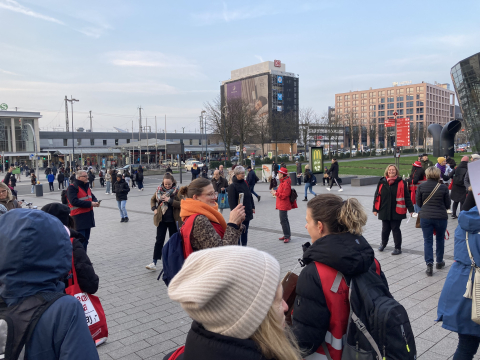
463 164
235 180
10 196
35 254
470 220
346 252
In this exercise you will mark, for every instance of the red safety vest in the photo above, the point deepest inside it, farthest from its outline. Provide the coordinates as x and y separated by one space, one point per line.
413 190
82 195
401 207
186 231
335 290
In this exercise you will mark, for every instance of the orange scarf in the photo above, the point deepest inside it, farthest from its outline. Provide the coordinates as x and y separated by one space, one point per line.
191 207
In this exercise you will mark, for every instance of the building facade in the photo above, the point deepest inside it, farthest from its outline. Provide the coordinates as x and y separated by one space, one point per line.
466 79
364 112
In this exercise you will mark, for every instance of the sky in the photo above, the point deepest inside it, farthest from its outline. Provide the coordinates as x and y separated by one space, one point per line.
169 57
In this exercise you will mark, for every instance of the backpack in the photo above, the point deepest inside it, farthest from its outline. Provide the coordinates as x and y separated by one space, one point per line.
17 323
173 257
378 326
293 196
459 176
256 179
313 180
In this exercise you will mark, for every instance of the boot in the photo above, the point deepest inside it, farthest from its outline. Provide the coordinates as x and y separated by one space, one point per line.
123 220
381 247
440 265
126 219
305 199
396 251
429 271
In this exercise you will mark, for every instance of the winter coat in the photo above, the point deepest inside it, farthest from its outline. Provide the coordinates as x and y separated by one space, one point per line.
85 220
61 177
140 174
121 190
87 279
9 178
219 184
252 178
388 200
91 176
417 174
61 332
426 164
174 203
50 178
10 202
307 176
54 170
436 207
453 309
299 168
345 252
333 171
459 191
283 195
33 180
195 173
202 344
108 177
234 189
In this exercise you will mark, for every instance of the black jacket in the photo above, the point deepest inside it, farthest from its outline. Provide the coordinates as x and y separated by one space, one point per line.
85 220
219 184
121 190
87 279
307 177
252 178
10 177
237 187
348 253
61 177
195 172
91 176
436 207
140 174
459 191
388 202
416 175
333 171
202 344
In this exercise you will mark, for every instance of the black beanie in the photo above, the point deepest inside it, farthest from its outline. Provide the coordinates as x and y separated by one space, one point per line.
60 211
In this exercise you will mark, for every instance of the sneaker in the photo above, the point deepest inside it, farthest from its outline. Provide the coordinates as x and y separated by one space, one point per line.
329 189
123 220
259 197
381 247
142 189
305 199
449 211
282 238
440 265
287 240
454 217
126 219
429 270
106 193
139 189
340 189
396 252
151 266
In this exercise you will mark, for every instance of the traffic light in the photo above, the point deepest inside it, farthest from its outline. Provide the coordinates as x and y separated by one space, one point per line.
44 158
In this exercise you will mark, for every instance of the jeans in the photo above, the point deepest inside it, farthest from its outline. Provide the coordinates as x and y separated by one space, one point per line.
109 183
243 238
86 235
66 181
285 224
160 240
121 206
428 225
394 227
33 189
252 191
140 184
309 186
416 208
467 347
51 187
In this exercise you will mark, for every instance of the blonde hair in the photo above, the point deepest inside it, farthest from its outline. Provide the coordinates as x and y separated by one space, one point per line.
386 170
338 215
433 173
275 341
307 166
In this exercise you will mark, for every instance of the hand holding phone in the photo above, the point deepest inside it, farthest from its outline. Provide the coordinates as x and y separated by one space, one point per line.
240 198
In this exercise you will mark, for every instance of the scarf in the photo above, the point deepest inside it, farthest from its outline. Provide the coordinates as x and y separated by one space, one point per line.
161 191
391 180
191 207
442 168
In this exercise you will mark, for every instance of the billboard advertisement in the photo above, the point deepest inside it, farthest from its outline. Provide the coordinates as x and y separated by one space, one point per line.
316 159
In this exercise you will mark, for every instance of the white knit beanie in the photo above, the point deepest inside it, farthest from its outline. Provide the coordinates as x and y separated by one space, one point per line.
229 289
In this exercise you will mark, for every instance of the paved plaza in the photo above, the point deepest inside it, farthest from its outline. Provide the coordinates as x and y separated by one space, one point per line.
145 324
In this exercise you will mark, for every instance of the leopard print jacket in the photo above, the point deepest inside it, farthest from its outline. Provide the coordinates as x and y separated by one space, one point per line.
204 235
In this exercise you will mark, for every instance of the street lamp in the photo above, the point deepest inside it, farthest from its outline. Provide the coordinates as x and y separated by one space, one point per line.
72 100
204 126
225 109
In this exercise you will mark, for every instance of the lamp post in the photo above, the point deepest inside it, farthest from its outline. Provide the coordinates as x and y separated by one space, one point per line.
72 100
225 109
35 144
204 126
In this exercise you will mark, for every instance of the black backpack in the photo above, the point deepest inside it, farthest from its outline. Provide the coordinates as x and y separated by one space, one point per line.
293 196
17 323
378 326
459 176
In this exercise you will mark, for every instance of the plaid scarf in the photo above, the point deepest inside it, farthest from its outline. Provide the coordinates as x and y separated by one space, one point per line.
161 191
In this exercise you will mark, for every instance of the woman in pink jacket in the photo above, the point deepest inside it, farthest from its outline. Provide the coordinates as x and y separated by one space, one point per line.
283 202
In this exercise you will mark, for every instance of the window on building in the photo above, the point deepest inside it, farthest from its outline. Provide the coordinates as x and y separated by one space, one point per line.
399 91
410 111
128 141
347 103
373 107
355 109
372 114
381 120
364 108
79 141
339 104
373 101
410 97
390 113
391 106
419 117
364 115
364 95
419 110
419 103
346 97
92 142
390 99
410 90
381 93
409 103
104 142
399 98
381 106
420 96
400 112
65 142
420 88
364 102
381 113
355 96
116 141
390 92
191 142
354 103
372 94
339 98
400 105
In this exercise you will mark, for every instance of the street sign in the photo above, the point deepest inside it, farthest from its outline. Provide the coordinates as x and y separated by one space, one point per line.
319 143
3 106
147 153
31 156
237 148
395 113
253 162
244 149
237 153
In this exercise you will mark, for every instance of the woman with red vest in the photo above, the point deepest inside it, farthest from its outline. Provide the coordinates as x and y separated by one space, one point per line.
416 178
320 315
390 204
203 225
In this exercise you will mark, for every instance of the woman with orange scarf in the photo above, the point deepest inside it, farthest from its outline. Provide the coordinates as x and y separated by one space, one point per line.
207 228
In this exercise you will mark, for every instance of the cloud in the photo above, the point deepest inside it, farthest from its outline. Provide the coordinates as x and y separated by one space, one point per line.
226 15
16 7
259 58
7 72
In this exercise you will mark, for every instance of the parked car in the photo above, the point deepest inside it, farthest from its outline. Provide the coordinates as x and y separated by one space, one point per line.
189 164
234 158
461 149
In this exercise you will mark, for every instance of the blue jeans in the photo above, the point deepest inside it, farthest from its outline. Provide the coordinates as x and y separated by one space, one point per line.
33 189
243 238
416 208
66 181
253 192
467 347
121 206
86 235
108 187
308 186
140 184
428 225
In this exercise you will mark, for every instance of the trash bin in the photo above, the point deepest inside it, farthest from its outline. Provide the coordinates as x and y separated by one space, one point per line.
38 190
293 177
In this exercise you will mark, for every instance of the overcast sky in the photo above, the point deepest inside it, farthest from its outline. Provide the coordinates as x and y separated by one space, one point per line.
169 56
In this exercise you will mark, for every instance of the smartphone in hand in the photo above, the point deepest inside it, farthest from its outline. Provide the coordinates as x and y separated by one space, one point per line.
240 198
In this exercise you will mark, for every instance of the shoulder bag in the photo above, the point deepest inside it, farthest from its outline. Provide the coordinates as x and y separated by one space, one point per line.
473 287
417 224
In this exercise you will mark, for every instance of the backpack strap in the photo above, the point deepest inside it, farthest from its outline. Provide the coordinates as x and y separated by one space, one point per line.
177 353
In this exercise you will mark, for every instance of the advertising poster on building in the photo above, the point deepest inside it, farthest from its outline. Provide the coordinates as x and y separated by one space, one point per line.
316 159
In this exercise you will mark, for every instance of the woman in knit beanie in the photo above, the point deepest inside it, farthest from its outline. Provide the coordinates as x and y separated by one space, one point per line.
234 296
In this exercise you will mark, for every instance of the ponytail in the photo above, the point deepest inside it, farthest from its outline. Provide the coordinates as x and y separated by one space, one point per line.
194 188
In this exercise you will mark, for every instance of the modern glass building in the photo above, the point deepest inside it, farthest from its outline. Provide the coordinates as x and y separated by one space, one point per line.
466 79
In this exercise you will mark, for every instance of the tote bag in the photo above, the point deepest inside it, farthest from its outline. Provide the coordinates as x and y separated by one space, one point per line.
223 201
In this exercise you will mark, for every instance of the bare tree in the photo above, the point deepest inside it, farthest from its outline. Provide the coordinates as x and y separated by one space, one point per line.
337 124
373 135
351 128
306 121
244 123
219 122
262 132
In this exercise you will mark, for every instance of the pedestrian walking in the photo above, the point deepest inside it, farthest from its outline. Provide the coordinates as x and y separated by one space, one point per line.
91 178
54 170
203 225
195 171
108 179
252 179
227 325
335 227
140 178
459 191
220 185
61 180
299 173
9 178
434 200
237 187
283 203
133 178
67 176
121 195
33 180
19 173
127 177
334 175
51 179
417 177
81 202
165 204
425 162
390 205
102 178
307 179
455 308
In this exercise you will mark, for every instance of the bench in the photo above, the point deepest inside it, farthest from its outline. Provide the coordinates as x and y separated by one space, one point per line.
372 180
347 179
